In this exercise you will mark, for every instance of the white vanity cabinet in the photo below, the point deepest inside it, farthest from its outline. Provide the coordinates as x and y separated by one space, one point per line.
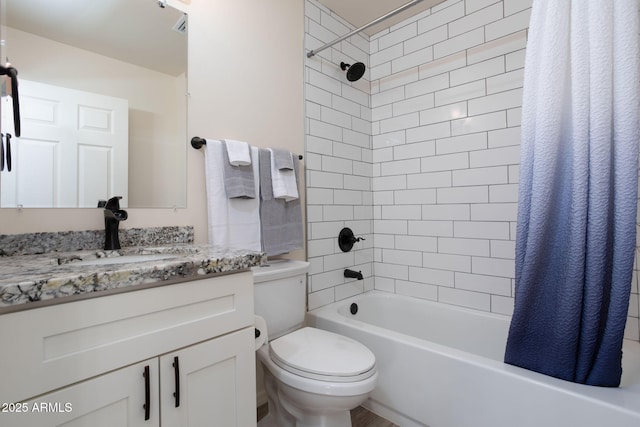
83 363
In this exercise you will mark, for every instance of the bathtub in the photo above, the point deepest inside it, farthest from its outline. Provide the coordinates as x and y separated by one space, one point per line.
441 366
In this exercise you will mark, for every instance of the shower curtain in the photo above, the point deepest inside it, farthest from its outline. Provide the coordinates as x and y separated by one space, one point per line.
576 231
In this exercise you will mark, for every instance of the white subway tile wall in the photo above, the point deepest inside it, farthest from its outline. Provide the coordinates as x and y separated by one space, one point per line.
427 145
339 157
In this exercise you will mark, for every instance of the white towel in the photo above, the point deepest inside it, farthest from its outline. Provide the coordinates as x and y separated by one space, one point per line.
239 152
284 182
233 223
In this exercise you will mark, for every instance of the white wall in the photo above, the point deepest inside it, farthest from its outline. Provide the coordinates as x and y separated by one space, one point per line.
245 79
446 89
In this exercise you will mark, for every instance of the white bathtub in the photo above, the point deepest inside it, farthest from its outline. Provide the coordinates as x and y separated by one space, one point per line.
441 366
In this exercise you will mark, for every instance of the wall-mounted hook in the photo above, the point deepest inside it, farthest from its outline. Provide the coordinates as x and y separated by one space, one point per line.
346 239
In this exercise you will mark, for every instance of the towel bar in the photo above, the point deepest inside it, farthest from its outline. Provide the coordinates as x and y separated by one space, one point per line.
197 143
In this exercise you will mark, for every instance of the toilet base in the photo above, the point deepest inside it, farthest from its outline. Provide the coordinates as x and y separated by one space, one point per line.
290 407
267 421
335 419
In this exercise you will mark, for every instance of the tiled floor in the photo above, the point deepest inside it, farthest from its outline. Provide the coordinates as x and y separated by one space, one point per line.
360 417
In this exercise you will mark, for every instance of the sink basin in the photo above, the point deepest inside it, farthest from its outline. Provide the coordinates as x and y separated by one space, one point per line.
125 259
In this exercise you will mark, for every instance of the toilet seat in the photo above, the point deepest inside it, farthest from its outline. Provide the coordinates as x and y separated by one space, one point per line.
321 355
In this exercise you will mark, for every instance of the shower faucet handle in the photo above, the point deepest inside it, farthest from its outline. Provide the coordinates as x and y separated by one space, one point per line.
346 239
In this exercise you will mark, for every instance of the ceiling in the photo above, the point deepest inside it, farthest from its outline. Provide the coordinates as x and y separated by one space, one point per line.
134 31
361 12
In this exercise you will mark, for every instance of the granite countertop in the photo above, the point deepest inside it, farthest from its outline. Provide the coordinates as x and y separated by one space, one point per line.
27 279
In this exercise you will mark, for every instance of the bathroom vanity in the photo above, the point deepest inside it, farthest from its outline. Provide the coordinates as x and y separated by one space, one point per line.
149 349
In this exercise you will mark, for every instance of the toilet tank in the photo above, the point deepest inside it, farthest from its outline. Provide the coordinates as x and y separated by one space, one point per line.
280 290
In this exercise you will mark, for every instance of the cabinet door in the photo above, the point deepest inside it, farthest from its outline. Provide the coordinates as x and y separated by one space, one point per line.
113 399
215 383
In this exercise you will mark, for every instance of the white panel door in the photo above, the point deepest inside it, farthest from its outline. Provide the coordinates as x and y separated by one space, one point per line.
110 400
216 383
73 150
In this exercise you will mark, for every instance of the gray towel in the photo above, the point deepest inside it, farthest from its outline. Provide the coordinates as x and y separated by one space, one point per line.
281 221
238 180
264 163
283 159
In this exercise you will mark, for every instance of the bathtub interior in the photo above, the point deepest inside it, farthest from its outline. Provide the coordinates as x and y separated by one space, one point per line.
472 331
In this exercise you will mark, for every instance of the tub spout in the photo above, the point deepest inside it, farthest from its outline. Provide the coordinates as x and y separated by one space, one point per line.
353 274
112 217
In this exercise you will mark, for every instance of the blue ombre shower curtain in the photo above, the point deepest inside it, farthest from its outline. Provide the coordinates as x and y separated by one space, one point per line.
576 231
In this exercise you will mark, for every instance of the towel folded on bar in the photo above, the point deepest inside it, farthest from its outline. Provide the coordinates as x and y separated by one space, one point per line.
283 181
281 221
239 152
283 159
238 180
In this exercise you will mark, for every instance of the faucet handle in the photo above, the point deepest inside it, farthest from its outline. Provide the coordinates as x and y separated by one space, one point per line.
120 214
102 203
346 239
113 203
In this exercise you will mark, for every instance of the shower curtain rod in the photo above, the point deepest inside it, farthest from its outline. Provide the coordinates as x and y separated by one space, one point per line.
364 27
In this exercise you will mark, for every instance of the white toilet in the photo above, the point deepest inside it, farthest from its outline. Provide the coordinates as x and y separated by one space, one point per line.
312 377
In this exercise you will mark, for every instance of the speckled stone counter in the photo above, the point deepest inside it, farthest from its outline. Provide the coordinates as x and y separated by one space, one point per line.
28 281
63 241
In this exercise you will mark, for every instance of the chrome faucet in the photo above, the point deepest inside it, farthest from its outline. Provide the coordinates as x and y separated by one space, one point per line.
112 217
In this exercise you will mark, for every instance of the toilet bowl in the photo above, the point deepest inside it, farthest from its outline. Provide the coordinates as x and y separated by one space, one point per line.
312 377
316 391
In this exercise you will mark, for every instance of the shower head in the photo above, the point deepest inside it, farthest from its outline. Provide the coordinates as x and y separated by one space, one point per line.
354 71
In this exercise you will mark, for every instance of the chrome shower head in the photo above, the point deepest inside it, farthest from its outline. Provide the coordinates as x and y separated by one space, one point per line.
354 72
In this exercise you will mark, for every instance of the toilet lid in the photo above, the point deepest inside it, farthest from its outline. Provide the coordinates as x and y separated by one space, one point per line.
321 353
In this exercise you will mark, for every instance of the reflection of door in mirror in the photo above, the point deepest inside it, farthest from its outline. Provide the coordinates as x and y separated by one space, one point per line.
72 151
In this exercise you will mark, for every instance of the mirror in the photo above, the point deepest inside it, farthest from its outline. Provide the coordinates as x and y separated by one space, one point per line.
103 100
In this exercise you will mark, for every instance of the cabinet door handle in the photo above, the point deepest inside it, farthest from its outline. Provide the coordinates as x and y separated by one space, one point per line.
147 394
176 373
